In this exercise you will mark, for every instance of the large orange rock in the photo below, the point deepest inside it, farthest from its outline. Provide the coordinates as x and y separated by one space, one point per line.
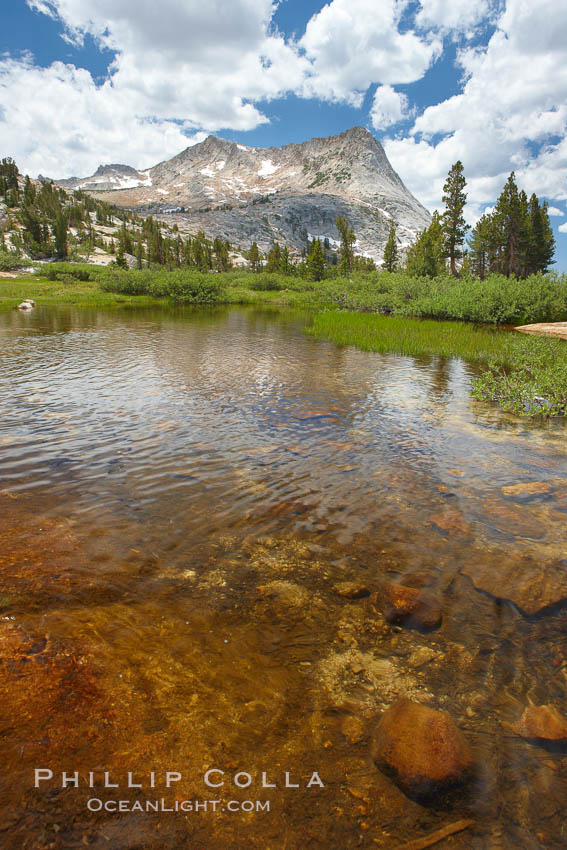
410 606
421 748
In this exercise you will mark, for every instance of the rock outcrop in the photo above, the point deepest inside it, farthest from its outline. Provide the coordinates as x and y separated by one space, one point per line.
558 329
4 218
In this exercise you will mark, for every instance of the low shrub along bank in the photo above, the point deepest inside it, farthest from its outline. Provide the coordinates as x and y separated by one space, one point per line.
186 287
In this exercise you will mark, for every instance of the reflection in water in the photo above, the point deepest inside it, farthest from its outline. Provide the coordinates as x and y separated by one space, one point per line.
205 518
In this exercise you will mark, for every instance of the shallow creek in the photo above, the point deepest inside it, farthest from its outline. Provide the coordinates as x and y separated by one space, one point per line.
199 513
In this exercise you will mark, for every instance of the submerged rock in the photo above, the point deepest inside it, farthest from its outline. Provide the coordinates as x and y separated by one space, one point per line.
411 607
527 492
514 521
352 590
353 729
420 579
451 523
285 593
542 722
531 585
421 747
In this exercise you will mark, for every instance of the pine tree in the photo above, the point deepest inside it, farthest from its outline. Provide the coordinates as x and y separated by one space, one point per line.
390 263
452 221
274 258
480 246
510 222
29 193
548 242
254 257
285 264
541 242
31 223
61 247
347 245
425 258
222 254
316 261
140 254
187 252
120 258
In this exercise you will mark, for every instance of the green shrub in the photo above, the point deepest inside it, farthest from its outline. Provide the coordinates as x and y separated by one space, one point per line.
267 283
9 260
187 287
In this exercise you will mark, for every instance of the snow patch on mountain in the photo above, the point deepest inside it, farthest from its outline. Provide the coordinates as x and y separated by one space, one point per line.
267 168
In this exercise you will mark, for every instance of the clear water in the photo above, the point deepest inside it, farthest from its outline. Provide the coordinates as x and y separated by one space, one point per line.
181 494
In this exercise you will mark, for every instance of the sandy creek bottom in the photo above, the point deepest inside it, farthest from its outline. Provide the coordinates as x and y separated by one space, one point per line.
183 495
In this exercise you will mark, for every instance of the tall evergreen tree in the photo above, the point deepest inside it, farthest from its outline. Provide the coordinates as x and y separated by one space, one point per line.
29 193
347 245
425 258
274 258
254 257
61 247
510 222
316 260
390 263
480 246
452 221
541 242
285 264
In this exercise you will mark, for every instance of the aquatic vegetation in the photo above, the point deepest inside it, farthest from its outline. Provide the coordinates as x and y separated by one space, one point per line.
527 375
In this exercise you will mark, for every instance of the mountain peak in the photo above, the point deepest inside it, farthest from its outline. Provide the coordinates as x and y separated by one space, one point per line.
358 132
248 193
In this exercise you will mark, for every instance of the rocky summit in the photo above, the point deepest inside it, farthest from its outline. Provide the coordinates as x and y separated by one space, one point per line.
288 194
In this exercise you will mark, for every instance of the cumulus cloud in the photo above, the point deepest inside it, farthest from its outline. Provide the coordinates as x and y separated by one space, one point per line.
353 43
459 15
182 66
562 228
509 116
388 107
55 119
555 211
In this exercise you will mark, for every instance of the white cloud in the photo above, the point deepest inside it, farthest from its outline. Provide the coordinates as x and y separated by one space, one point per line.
353 43
513 98
454 14
56 118
180 67
388 108
183 66
562 228
555 211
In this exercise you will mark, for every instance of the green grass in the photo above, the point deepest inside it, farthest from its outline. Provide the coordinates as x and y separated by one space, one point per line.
46 292
418 337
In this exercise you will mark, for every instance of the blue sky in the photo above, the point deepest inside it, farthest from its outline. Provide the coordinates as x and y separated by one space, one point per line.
484 81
